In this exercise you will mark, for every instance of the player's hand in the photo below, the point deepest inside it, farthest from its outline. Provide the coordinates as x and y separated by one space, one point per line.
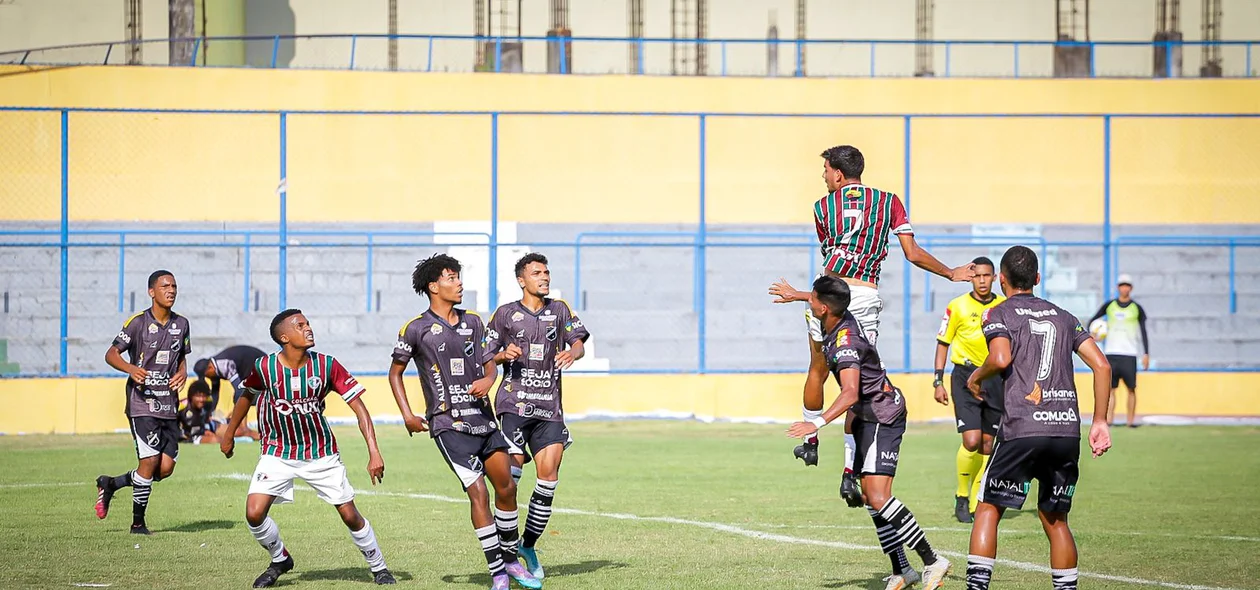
178 380
942 396
1146 362
376 468
974 386
481 387
783 292
415 424
963 273
1099 438
138 375
227 445
564 359
801 429
512 352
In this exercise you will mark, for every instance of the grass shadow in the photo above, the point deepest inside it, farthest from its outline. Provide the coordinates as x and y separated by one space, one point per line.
200 526
555 571
345 574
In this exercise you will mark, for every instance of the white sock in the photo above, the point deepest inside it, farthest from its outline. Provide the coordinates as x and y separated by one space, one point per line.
850 444
268 535
516 474
809 416
365 540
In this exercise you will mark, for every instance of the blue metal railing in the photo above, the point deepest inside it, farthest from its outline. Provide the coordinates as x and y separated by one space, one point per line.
699 241
101 53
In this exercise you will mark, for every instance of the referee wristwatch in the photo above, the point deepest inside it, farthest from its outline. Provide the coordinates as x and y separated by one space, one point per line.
940 378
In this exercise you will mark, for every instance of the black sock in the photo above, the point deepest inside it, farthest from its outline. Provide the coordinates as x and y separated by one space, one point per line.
122 481
489 537
140 489
509 532
539 511
888 543
908 531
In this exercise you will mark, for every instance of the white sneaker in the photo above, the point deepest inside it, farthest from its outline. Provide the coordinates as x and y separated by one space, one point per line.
934 575
902 581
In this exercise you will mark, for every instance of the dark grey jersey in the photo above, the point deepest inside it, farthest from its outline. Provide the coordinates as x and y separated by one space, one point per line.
531 384
449 358
159 349
845 347
1040 391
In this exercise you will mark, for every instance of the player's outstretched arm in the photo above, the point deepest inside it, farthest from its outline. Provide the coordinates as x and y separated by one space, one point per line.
924 260
999 359
239 411
849 384
786 293
376 465
114 359
413 422
1099 430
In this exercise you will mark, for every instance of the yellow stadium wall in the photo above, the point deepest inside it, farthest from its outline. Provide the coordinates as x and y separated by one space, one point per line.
82 406
360 168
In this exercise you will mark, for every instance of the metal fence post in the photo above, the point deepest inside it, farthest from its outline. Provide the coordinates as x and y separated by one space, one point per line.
494 210
65 242
702 236
1107 287
906 278
284 210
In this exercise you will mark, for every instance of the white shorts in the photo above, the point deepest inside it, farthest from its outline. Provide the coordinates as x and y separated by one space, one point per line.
274 477
864 304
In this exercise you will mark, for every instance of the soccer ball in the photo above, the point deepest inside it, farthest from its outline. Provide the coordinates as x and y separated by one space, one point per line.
1098 329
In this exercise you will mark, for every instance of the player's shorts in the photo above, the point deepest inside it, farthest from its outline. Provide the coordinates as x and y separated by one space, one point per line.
1123 368
865 305
878 446
156 436
1052 461
528 436
973 414
466 453
327 475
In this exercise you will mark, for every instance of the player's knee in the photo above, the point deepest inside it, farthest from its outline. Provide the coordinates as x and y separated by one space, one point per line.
971 441
876 498
986 448
505 491
255 516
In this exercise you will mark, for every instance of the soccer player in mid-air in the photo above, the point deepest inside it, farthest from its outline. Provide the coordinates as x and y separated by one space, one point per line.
289 387
529 338
157 342
977 418
854 223
1126 324
1031 342
448 345
879 411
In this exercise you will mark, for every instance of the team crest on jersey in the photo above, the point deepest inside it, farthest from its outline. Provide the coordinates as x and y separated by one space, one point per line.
153 328
468 347
435 329
153 439
474 463
518 316
518 437
315 383
551 333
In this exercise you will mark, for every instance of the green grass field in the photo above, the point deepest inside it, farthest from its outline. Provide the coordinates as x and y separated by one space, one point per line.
650 505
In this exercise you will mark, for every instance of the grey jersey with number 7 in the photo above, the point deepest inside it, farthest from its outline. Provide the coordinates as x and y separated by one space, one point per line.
1040 391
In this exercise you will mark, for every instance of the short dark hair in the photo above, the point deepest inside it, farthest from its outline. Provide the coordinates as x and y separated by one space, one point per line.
847 159
833 292
430 270
1019 266
276 321
983 261
198 386
526 260
199 367
157 274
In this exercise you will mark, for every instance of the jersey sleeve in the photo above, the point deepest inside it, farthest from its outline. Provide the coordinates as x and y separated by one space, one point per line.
1146 343
995 324
186 348
949 326
253 384
129 333
820 222
900 219
494 331
844 352
408 341
1102 311
344 383
1079 334
480 352
574 330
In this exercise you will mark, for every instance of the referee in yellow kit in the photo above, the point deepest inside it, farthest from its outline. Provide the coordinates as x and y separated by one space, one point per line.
978 420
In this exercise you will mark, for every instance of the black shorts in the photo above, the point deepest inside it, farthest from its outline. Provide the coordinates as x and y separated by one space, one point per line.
1123 368
1052 461
878 446
465 454
973 414
528 436
155 436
